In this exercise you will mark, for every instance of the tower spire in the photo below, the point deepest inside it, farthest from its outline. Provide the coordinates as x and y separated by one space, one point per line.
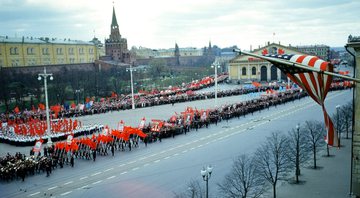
115 32
114 21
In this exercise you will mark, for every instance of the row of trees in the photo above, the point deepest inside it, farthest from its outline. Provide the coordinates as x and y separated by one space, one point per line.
24 89
274 160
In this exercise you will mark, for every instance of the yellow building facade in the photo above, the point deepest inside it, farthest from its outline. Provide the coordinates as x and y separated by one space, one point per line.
247 68
26 52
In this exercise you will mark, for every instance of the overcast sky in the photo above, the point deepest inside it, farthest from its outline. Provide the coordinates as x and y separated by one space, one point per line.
190 23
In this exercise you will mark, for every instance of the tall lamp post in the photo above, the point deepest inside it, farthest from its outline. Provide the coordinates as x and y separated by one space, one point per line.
77 91
216 66
338 123
131 69
45 76
206 174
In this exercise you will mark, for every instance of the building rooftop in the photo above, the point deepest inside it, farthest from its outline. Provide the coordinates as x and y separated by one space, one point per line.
6 39
306 46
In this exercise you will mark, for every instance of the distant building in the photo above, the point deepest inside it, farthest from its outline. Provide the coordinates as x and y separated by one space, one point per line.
321 51
143 52
246 68
25 51
177 56
115 46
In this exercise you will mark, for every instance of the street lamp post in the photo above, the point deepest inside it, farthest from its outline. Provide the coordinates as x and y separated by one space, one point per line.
78 95
206 174
131 69
337 123
216 66
44 76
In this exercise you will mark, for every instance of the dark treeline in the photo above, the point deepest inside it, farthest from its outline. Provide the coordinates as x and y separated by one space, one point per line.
25 90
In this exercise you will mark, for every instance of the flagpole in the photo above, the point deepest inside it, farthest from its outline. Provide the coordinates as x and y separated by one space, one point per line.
298 65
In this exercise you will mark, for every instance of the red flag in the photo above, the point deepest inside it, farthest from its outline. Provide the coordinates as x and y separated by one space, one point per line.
156 125
41 106
264 52
256 84
16 110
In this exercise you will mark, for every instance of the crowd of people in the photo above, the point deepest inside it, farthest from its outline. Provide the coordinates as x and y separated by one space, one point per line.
115 102
90 146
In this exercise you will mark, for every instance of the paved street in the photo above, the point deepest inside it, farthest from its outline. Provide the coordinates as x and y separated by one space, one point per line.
163 168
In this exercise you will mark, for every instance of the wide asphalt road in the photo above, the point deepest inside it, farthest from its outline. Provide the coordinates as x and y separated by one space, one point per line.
160 169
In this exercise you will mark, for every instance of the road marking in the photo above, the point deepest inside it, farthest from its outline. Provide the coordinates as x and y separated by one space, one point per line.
146 165
97 182
131 162
34 194
167 157
68 183
157 161
52 188
68 192
134 169
184 151
152 155
123 173
142 158
109 169
162 152
96 173
111 177
192 148
83 177
84 187
176 154
121 165
200 146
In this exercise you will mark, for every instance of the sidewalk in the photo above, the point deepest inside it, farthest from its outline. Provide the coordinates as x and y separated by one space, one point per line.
331 180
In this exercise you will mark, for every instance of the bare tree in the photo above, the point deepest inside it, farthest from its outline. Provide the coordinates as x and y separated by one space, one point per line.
298 150
271 159
194 190
315 132
346 117
243 180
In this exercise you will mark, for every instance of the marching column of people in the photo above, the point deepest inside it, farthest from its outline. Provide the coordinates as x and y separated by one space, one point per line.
20 166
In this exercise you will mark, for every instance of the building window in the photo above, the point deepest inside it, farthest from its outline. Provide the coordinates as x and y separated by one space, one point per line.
0 51
243 71
14 51
45 51
30 51
71 51
253 71
59 51
81 50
